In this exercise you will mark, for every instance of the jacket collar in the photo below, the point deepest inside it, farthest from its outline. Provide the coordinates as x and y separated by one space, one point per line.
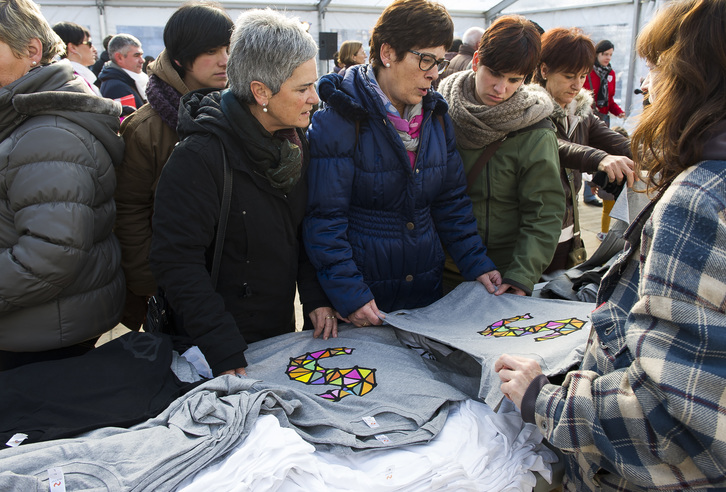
579 107
353 97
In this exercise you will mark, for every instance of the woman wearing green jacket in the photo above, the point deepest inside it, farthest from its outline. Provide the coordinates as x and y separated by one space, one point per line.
517 196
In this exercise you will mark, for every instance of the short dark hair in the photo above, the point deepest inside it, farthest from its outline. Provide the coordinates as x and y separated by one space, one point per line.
193 29
70 32
510 45
603 46
107 40
567 50
406 24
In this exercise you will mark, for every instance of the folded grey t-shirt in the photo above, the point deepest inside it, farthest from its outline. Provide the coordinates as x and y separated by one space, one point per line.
551 331
343 382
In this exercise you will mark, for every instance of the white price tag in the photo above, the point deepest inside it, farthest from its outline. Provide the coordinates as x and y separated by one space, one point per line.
56 480
383 438
16 440
371 422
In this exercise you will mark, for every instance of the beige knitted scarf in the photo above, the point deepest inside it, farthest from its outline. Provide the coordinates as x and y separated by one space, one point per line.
477 125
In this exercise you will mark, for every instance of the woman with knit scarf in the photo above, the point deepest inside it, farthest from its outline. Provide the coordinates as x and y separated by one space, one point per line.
601 82
517 196
387 188
196 40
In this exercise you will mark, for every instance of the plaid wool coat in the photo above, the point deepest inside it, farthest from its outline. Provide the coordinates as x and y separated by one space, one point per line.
647 409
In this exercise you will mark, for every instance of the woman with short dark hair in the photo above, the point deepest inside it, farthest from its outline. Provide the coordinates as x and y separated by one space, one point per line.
196 45
585 143
601 81
516 192
79 51
387 187
645 409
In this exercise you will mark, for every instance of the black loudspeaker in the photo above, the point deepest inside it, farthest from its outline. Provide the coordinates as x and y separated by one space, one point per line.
328 45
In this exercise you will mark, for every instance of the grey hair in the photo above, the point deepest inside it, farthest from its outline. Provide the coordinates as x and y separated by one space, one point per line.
20 22
120 44
266 46
472 36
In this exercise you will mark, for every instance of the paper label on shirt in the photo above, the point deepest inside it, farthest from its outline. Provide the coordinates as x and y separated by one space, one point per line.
371 422
388 474
56 480
16 440
383 438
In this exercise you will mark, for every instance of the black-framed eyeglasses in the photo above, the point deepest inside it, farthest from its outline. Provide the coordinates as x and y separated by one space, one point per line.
427 61
89 43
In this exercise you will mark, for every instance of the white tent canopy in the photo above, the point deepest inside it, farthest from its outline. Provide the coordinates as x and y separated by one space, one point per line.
617 20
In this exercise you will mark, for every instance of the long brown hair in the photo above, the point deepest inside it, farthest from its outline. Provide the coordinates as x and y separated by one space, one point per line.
686 42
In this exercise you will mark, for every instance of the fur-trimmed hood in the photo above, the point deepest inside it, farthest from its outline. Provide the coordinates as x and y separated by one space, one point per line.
353 96
580 106
55 90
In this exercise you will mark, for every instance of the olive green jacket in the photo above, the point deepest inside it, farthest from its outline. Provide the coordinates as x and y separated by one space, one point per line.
519 205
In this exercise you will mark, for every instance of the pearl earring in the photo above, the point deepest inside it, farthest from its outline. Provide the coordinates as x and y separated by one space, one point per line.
264 107
34 63
388 65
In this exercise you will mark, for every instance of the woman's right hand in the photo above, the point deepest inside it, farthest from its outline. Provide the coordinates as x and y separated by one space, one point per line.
367 315
618 167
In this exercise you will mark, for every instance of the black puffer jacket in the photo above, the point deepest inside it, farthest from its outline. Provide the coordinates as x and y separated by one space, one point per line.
263 257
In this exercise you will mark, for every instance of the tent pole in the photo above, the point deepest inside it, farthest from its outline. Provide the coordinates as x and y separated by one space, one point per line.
100 5
637 6
322 7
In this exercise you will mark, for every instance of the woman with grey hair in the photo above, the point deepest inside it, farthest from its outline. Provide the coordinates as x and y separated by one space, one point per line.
254 128
61 285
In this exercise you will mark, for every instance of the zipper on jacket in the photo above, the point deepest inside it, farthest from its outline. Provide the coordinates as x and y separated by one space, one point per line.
415 163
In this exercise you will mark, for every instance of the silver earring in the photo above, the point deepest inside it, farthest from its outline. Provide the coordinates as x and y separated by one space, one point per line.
264 107
388 65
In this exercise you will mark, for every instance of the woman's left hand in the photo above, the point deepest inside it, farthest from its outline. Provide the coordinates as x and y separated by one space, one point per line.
490 280
516 373
325 321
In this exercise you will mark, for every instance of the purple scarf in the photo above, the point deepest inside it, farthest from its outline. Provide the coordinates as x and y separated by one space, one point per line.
164 99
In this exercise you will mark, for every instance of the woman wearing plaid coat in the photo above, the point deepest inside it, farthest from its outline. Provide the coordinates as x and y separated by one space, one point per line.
647 409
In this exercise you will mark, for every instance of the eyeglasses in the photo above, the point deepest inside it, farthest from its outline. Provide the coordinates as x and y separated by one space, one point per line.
89 43
427 61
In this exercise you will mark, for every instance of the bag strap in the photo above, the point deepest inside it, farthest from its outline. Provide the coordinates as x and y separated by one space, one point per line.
475 171
223 215
490 150
573 196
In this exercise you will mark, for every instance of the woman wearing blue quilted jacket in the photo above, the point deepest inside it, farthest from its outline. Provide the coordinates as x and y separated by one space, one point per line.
387 187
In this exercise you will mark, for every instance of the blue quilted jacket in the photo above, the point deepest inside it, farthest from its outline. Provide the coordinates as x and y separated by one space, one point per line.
375 227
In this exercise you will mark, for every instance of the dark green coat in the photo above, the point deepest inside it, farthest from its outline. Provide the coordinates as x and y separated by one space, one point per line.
519 205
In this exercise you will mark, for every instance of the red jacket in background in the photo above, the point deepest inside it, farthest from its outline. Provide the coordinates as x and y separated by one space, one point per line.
593 83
